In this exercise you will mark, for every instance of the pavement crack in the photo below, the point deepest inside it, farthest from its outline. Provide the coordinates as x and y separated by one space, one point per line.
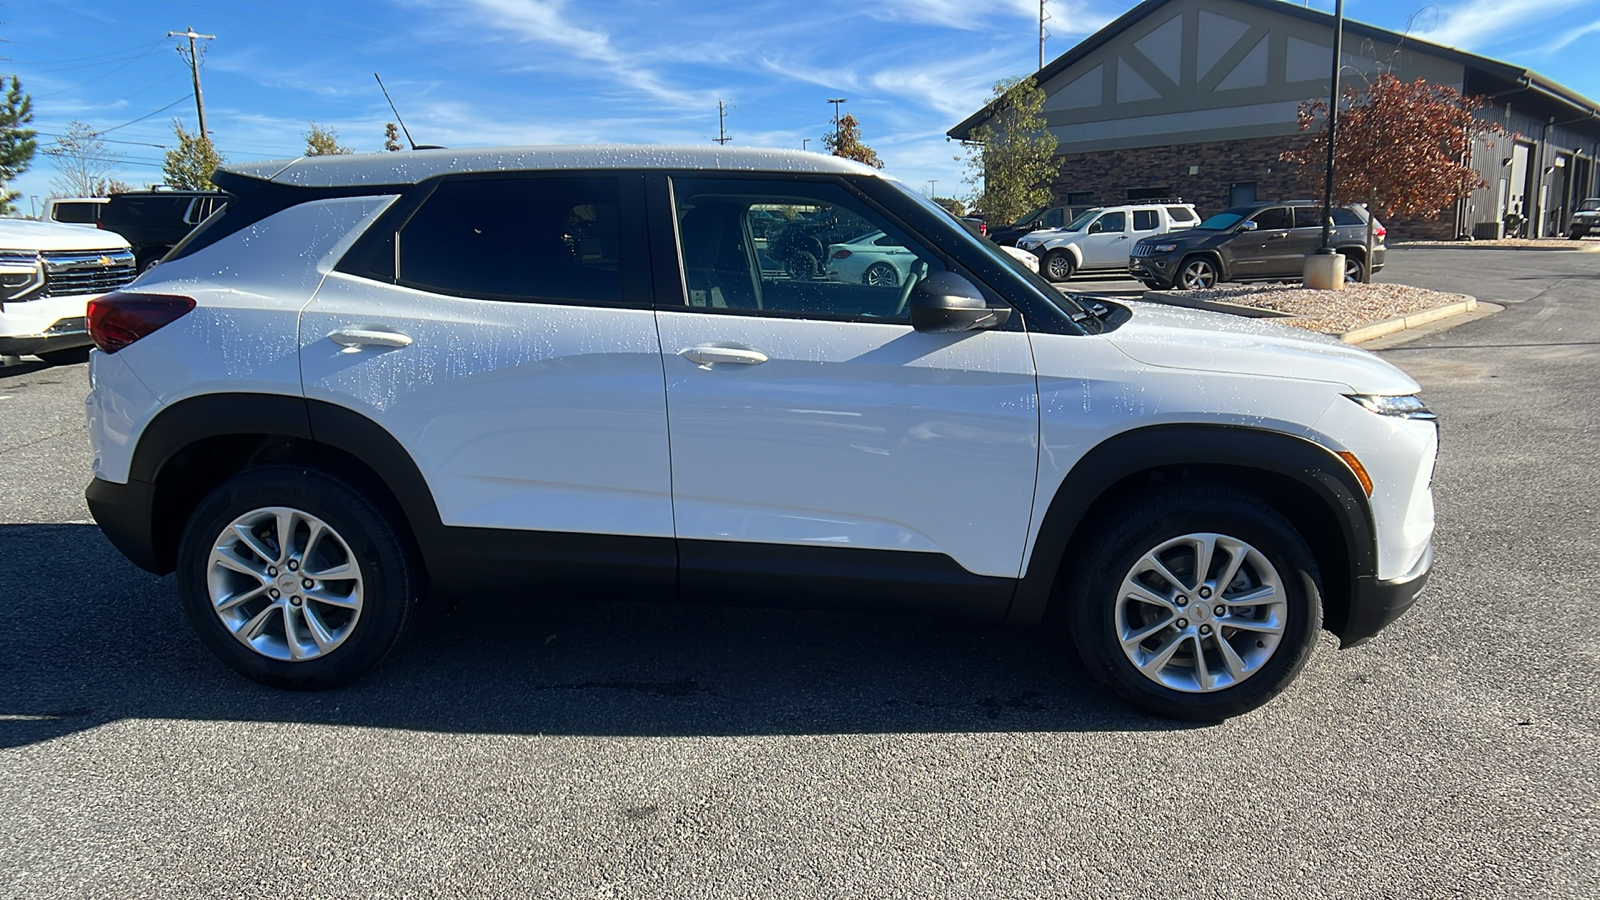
48 437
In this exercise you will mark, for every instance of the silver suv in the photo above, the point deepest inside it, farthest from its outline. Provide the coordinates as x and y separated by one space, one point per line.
1101 239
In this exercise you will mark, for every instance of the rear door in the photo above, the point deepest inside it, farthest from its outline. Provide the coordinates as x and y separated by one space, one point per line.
815 435
501 329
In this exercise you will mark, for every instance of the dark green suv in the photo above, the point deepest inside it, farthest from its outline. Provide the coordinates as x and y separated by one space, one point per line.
1255 242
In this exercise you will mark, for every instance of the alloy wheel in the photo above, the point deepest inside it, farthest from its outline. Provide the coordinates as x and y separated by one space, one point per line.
1198 274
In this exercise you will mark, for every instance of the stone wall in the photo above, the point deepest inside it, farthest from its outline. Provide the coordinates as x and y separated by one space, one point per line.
1110 174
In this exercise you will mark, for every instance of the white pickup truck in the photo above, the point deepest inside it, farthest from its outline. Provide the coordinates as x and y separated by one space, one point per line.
48 274
1101 238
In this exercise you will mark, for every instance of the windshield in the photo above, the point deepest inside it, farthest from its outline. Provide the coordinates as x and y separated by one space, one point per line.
1222 220
1028 219
1082 220
1590 205
993 251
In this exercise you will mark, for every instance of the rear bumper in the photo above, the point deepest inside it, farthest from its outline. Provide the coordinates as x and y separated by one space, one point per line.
1377 603
123 512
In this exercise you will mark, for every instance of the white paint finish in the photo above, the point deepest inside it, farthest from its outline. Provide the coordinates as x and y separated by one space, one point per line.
1249 72
249 289
1163 46
1398 455
519 415
1131 86
118 407
856 435
411 166
32 317
1218 34
1084 91
25 234
1282 112
1174 337
1308 61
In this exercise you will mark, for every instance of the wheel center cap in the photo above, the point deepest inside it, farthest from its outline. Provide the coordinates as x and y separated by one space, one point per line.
286 584
1200 611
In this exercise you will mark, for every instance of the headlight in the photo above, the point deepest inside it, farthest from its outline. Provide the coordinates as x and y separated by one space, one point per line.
1406 407
1027 245
1163 248
21 274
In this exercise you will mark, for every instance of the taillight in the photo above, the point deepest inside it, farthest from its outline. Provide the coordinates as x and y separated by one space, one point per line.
983 229
1378 231
120 318
841 254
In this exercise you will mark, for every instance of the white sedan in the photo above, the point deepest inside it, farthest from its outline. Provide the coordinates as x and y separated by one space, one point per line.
873 258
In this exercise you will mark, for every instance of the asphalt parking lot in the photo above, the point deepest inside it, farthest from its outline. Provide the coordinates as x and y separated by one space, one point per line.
589 747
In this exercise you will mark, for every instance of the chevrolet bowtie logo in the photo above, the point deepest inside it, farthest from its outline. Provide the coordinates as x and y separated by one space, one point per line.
105 260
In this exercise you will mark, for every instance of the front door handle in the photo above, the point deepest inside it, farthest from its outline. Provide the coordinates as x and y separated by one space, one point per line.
1278 237
369 336
707 355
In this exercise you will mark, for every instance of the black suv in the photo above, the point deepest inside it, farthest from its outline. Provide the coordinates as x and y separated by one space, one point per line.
155 221
1043 217
1254 242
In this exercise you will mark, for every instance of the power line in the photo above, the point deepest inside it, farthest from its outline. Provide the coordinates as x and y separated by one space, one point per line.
145 116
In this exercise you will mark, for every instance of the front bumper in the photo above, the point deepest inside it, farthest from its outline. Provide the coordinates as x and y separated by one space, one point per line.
1377 603
63 334
1159 270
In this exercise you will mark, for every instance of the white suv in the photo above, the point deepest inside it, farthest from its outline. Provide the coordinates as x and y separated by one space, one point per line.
48 274
379 377
1101 239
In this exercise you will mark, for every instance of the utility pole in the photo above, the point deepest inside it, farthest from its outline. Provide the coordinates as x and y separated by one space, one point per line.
1333 128
722 132
933 187
836 120
194 69
804 142
1043 17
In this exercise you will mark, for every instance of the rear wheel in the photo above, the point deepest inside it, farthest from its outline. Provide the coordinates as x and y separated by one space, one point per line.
1353 270
1197 603
295 579
880 274
1058 265
1197 273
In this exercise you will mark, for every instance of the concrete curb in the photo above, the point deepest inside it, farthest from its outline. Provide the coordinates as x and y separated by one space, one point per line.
1249 312
1412 320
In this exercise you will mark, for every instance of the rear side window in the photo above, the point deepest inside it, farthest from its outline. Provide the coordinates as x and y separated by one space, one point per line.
1181 214
1342 216
147 209
550 239
1145 220
1052 218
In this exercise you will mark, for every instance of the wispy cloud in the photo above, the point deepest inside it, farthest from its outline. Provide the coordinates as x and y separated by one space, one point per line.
1571 36
1476 23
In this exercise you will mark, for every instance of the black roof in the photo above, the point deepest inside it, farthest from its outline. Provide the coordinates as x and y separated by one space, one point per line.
1514 77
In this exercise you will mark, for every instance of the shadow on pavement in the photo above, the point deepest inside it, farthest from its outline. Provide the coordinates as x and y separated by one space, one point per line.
86 638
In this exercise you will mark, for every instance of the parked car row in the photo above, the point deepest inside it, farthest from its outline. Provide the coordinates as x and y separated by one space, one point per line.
1166 245
152 221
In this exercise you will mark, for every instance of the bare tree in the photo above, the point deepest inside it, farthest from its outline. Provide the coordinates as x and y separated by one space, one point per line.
83 161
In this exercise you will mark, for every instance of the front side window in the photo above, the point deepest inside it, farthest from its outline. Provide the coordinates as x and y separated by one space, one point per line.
1273 218
552 239
801 250
1110 223
1053 218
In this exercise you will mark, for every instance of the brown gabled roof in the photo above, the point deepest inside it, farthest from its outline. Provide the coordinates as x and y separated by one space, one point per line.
1514 76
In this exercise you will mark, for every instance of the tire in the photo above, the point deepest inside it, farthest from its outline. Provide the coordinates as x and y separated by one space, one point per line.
1058 266
881 274
69 356
1197 273
1353 268
259 589
802 266
1156 286
1577 235
148 258
1106 613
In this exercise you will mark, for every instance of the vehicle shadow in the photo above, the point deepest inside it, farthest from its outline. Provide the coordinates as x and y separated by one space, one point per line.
88 639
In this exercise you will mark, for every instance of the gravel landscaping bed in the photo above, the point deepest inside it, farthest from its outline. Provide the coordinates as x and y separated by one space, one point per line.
1504 244
1330 312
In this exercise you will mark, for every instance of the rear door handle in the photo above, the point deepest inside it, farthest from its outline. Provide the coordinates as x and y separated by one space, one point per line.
711 354
369 336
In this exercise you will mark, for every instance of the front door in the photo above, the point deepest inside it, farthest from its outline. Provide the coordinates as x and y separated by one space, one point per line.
1106 245
813 431
1260 253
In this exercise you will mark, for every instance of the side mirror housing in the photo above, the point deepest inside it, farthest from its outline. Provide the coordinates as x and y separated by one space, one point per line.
1248 226
944 303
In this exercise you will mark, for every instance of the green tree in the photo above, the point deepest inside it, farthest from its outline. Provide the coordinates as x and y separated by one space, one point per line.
189 165
16 141
1011 157
847 143
324 142
391 137
953 204
83 161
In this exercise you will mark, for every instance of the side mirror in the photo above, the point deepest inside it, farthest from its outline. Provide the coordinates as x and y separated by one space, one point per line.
1248 226
944 303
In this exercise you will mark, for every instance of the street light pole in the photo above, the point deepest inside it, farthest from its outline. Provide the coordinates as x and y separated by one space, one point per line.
836 120
1333 127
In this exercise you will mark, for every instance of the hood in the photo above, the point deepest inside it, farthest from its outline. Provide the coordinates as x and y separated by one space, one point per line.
1178 338
23 234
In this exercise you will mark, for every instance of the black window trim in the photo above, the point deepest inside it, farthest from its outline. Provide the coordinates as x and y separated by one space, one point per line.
633 257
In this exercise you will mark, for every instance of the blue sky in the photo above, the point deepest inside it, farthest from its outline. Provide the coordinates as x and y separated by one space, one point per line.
485 72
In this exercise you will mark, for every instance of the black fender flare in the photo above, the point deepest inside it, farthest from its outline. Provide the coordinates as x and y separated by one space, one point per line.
1314 468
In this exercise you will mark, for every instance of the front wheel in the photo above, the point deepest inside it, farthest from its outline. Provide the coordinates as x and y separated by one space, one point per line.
1195 603
1058 266
294 578
1197 274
